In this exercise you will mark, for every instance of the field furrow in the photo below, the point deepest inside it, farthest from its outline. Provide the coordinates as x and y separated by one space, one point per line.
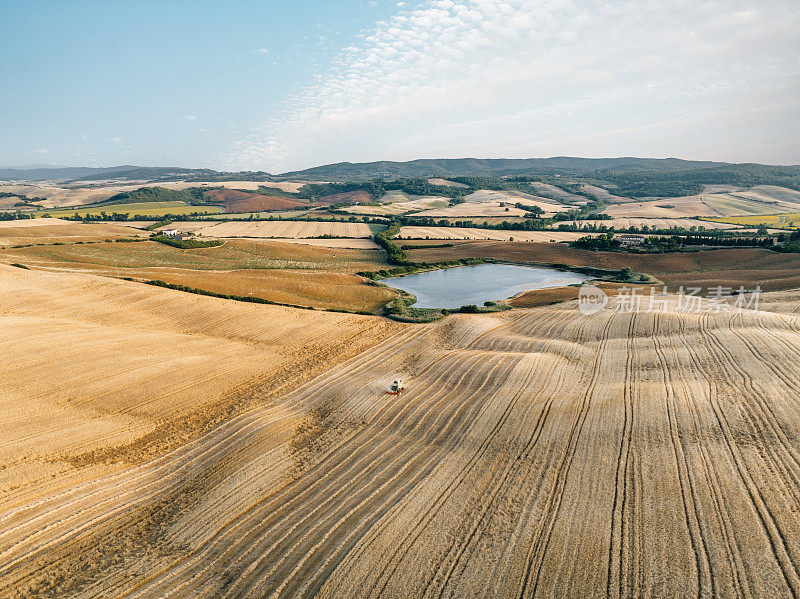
535 452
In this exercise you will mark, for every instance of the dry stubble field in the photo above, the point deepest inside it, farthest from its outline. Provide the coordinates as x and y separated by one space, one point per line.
54 230
535 453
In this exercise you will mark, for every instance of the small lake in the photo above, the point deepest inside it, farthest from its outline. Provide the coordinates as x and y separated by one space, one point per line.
464 285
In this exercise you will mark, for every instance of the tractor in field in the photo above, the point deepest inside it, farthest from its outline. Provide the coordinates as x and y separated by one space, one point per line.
397 388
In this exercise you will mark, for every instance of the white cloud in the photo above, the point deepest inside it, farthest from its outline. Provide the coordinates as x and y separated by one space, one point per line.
539 77
42 151
116 140
190 117
262 50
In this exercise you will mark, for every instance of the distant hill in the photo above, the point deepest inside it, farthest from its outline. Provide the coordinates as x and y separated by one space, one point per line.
490 167
126 173
628 176
46 173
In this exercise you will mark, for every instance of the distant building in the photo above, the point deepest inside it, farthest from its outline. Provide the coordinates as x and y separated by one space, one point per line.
175 234
630 240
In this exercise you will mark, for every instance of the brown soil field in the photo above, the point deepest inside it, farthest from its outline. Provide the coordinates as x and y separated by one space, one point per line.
414 232
535 453
349 197
54 230
732 267
240 201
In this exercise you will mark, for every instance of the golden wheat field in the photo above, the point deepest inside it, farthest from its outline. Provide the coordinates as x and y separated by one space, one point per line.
230 450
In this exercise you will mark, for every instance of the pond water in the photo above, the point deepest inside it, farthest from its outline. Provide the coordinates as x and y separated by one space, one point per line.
464 285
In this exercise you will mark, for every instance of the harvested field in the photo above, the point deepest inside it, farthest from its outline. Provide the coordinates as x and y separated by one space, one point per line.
729 267
489 208
446 182
240 201
392 208
468 233
551 191
61 197
8 203
323 290
54 230
154 364
397 195
546 297
763 199
473 209
657 223
535 453
286 228
604 194
684 207
356 244
514 197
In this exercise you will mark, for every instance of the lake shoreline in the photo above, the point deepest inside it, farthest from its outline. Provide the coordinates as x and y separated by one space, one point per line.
478 284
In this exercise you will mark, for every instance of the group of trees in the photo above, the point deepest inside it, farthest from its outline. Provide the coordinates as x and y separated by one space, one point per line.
195 196
607 242
599 243
789 243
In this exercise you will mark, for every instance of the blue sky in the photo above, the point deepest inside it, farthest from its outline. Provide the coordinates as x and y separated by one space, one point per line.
284 85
